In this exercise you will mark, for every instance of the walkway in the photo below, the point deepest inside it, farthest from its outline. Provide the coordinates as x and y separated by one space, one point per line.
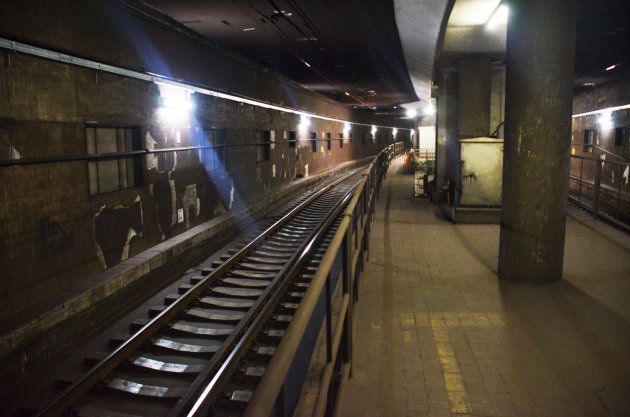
437 334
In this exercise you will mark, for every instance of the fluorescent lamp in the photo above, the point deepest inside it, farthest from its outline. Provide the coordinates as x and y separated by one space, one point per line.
499 17
394 132
612 67
373 129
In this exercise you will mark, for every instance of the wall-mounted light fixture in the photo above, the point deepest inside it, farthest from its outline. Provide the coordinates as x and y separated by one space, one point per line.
605 120
346 129
305 122
411 113
394 132
175 103
373 130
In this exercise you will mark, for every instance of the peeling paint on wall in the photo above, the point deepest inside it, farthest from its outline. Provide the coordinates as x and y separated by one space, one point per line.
99 252
173 202
189 201
231 196
13 153
130 235
114 229
149 144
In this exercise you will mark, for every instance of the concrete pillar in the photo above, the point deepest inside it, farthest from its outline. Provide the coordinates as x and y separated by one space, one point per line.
446 149
539 85
474 97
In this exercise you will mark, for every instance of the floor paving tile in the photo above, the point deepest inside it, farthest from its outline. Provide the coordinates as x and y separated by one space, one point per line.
438 334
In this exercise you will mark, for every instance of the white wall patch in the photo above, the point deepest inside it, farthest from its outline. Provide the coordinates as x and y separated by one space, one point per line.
13 153
173 202
130 235
190 200
231 196
149 144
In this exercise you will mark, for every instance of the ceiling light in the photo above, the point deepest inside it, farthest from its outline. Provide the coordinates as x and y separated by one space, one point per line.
472 12
589 84
411 113
429 110
394 132
499 17
346 93
306 63
248 29
373 129
612 67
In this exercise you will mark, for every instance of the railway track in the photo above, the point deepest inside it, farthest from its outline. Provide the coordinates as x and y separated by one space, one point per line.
203 352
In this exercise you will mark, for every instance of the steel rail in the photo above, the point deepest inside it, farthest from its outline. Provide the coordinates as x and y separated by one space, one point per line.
100 370
264 398
227 357
204 401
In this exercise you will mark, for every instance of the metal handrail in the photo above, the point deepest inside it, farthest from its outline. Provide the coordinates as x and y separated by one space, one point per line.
602 193
264 398
5 163
99 371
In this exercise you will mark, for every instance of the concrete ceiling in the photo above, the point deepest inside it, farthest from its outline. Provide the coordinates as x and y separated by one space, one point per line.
420 24
603 37
467 33
347 50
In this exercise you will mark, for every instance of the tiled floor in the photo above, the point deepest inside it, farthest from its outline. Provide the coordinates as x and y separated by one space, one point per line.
437 334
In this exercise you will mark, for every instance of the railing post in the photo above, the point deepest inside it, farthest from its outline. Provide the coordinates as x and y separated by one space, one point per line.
329 329
581 172
619 192
348 284
596 188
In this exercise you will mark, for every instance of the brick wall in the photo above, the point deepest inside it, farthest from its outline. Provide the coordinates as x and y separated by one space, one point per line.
54 233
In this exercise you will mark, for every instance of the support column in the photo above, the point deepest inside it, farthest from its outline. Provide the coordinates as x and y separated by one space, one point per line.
474 97
539 88
446 149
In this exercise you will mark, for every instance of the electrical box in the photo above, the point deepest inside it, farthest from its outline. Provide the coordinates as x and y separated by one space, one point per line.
480 172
